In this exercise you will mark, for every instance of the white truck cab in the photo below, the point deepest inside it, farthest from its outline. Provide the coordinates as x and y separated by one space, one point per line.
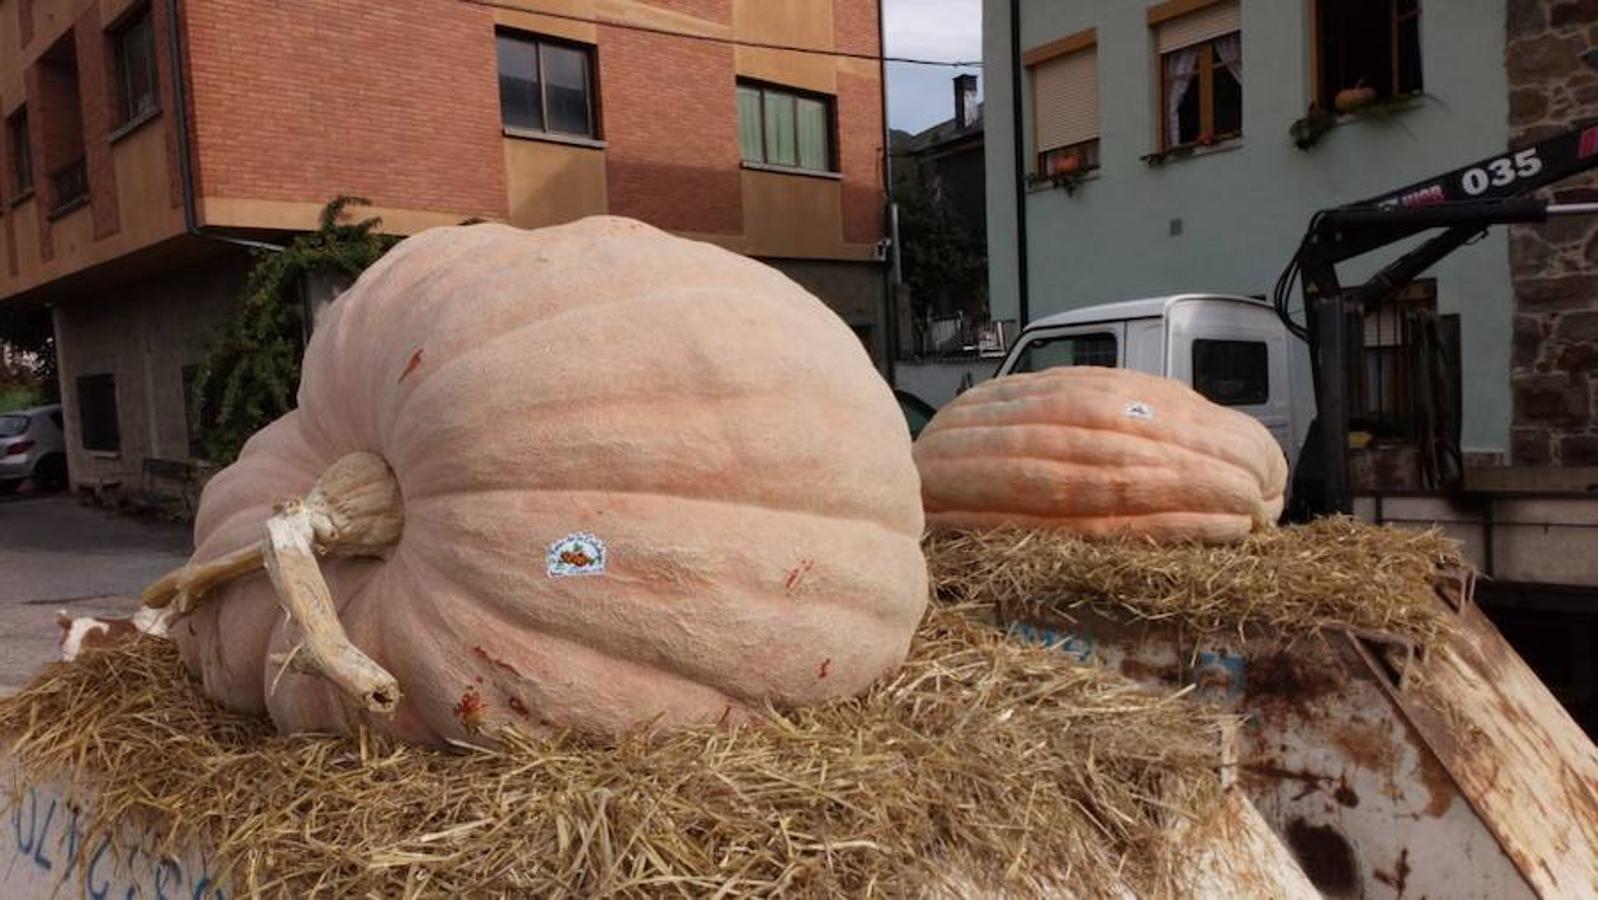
1233 350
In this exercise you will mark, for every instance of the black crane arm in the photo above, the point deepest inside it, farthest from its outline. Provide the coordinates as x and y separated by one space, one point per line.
1464 202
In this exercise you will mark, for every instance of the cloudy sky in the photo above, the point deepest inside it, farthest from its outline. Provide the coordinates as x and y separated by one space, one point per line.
919 96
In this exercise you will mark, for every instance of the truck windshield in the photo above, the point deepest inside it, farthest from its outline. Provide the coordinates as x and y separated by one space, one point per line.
1096 349
11 426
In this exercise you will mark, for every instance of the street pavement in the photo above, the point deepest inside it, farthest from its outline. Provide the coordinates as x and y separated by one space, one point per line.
56 554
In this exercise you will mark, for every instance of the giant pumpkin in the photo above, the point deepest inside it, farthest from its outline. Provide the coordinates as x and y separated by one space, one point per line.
588 477
1099 452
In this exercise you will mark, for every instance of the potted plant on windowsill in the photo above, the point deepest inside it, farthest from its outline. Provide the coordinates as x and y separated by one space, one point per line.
1349 104
1307 131
1176 151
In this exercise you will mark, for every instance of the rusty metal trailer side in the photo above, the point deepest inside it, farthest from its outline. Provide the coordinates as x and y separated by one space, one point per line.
1390 769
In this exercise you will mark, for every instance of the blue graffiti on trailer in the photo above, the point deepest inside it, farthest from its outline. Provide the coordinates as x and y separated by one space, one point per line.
1222 671
1078 645
1211 670
43 825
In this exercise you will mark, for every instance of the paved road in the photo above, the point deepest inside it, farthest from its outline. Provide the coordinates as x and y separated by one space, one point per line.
55 554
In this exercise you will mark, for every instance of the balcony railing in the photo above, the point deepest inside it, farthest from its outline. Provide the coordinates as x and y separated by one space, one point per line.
69 187
961 336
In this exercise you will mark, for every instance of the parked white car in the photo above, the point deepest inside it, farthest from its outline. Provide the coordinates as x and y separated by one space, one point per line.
33 446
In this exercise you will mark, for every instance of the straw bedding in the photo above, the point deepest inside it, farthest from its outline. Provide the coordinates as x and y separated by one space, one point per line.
1283 583
984 760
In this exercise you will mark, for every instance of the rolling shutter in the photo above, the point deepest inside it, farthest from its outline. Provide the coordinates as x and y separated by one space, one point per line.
1065 94
1199 26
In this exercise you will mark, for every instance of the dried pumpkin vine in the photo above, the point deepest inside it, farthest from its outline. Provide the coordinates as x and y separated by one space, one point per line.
252 370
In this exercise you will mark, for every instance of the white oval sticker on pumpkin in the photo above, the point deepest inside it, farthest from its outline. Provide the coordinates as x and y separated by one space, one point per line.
1137 410
579 553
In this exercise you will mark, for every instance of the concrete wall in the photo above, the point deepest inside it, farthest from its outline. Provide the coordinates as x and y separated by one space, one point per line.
939 381
853 290
143 333
1244 207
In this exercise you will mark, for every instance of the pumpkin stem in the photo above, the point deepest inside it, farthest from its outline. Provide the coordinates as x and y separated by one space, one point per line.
290 557
364 514
354 509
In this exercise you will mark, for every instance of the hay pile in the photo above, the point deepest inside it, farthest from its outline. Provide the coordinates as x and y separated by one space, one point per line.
983 758
1286 582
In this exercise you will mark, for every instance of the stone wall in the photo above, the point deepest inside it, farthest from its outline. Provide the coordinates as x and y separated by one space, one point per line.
1555 265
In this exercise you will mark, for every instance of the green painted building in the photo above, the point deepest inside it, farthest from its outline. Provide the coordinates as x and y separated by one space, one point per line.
1157 158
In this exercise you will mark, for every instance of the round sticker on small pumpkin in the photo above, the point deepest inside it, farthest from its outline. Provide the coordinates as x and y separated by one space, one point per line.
579 553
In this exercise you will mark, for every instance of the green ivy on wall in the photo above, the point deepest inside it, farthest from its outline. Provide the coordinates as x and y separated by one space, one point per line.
252 371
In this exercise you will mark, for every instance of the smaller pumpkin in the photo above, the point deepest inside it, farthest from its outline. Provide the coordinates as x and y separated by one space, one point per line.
1068 164
1099 452
1355 98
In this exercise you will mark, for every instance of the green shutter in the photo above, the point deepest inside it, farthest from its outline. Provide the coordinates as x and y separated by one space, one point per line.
749 139
813 132
781 147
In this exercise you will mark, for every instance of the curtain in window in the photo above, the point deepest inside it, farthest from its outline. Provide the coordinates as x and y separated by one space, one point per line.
749 125
812 124
1181 70
781 146
1230 51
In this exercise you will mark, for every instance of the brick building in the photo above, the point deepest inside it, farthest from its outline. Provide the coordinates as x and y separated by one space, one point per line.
143 138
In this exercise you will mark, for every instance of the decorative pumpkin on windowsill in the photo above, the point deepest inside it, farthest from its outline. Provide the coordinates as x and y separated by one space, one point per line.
588 477
1099 452
1065 165
1353 99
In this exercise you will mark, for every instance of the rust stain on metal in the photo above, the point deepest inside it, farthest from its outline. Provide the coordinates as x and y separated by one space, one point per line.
1286 677
1265 773
1439 784
1137 670
1345 794
1399 877
1368 747
1326 858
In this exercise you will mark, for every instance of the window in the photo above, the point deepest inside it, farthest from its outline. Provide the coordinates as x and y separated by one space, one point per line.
1383 400
1065 101
1367 44
191 410
546 86
58 120
1097 349
1201 76
135 66
21 150
1232 373
1068 160
779 127
97 413
69 185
